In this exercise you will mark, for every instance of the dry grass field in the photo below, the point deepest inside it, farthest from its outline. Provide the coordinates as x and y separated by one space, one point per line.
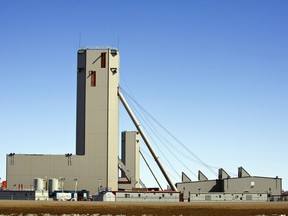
199 209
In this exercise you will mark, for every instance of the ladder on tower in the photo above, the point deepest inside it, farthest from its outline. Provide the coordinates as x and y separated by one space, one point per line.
127 172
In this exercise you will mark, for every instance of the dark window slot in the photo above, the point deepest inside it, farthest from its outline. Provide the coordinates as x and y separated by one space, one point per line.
103 60
93 78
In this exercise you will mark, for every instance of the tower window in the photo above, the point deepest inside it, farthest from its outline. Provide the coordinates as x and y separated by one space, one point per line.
93 78
103 60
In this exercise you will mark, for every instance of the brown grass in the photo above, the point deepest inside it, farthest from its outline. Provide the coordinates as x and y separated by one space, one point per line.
117 208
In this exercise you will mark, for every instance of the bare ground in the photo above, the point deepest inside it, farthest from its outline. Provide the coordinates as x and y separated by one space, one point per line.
118 208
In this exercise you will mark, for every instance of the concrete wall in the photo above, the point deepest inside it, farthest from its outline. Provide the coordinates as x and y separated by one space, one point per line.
198 187
28 167
252 184
96 136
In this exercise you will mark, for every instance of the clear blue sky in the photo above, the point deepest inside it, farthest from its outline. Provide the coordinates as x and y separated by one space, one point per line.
215 73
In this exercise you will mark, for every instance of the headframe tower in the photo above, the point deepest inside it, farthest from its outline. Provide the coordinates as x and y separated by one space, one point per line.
97 111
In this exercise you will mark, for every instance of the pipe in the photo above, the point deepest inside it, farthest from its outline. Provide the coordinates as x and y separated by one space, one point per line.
146 141
150 170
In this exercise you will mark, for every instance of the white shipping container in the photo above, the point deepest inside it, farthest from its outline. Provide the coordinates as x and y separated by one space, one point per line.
63 196
41 195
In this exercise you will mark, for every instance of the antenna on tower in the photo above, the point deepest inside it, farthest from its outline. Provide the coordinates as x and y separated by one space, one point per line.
118 41
79 40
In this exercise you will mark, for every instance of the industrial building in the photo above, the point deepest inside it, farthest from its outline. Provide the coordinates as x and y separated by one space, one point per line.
96 161
243 184
96 164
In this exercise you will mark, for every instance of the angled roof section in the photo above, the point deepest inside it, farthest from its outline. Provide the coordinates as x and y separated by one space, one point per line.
223 174
242 172
201 176
185 178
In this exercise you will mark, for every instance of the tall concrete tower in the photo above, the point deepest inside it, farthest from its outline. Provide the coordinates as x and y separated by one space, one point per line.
130 156
97 111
